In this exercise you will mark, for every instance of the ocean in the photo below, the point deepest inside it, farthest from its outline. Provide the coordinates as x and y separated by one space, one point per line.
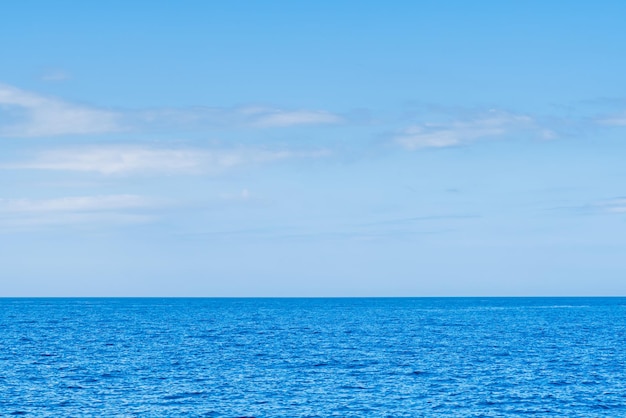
353 357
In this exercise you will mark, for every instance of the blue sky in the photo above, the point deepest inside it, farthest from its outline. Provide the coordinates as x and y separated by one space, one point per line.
412 148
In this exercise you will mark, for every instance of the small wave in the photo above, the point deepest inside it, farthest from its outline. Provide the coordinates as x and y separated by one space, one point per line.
183 395
353 387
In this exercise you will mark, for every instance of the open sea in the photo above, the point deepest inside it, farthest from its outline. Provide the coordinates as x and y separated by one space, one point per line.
380 357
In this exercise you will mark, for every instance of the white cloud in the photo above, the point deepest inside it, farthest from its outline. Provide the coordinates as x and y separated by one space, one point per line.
128 159
73 204
113 160
259 117
26 114
274 118
31 115
76 210
491 125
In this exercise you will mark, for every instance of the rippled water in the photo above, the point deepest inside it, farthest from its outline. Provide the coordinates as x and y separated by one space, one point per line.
313 357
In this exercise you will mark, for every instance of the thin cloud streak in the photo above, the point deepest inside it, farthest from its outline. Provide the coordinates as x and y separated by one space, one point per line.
32 115
615 120
27 115
617 205
494 124
270 118
600 207
73 219
20 214
199 118
116 160
74 204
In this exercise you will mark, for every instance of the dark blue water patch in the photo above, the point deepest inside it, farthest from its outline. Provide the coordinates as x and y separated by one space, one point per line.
313 357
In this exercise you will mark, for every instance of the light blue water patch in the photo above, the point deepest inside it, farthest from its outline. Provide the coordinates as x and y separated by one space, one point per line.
313 357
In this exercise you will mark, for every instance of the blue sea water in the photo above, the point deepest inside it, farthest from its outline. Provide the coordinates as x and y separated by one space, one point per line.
405 357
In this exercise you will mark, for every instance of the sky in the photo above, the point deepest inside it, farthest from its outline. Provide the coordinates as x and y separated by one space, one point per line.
312 148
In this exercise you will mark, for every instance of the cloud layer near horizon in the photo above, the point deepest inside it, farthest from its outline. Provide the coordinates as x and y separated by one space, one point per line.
74 210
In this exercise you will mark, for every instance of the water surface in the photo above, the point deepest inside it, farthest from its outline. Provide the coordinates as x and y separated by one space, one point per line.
313 357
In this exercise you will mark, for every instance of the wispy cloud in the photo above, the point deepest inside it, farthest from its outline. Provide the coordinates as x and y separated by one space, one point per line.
250 117
599 207
73 204
270 118
54 75
110 160
493 124
108 209
613 120
25 114
617 205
